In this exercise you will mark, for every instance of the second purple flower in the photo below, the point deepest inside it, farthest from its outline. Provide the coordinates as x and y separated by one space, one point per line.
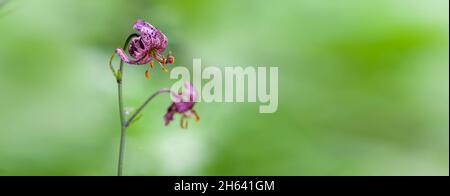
183 104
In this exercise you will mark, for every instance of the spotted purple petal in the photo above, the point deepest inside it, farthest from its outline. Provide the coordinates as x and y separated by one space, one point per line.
140 47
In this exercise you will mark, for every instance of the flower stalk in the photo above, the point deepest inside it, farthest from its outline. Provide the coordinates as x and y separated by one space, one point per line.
138 111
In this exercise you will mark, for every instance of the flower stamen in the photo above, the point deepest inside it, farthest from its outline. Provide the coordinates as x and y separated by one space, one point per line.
147 74
197 118
184 122
152 64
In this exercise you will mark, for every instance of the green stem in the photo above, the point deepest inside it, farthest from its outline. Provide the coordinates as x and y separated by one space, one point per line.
123 129
136 113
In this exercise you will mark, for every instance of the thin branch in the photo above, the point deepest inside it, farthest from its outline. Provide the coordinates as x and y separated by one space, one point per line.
136 113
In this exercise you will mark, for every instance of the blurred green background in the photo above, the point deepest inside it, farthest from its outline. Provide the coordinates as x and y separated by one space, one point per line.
363 88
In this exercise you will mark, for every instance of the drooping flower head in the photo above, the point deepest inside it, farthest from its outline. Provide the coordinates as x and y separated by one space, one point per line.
148 45
183 104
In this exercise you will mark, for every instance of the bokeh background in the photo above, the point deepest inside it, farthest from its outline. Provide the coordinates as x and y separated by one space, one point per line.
363 88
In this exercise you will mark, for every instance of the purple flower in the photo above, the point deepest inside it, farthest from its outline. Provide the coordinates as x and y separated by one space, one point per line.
148 45
183 104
